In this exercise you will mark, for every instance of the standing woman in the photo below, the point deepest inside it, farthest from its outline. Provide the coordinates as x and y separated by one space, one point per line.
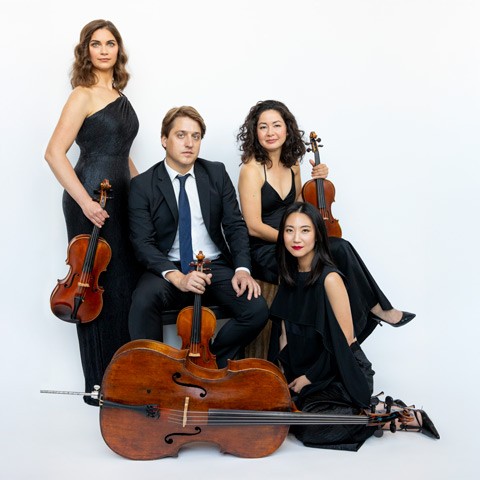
269 182
313 336
103 123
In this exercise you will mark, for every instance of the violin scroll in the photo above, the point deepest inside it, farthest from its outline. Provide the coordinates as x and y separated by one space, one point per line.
313 144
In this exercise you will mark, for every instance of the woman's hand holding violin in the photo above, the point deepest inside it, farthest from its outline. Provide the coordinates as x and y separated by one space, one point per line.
95 213
319 171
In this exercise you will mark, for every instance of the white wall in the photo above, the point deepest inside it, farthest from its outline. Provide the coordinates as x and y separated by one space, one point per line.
391 87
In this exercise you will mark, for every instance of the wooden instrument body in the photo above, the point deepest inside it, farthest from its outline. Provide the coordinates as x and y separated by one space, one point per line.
78 297
320 192
310 193
198 345
62 298
196 325
145 372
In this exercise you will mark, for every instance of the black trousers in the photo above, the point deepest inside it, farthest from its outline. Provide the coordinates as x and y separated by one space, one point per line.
154 294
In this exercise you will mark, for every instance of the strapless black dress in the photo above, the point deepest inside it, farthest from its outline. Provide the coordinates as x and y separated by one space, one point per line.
105 139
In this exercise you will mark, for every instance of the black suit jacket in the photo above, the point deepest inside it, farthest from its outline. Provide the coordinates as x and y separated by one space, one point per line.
153 215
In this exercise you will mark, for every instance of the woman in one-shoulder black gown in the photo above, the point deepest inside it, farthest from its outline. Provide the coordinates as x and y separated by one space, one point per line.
103 123
269 182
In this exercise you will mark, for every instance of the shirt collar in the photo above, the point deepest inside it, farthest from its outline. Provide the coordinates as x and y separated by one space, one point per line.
173 173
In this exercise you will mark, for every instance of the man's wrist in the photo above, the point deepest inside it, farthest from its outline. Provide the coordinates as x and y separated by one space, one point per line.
242 269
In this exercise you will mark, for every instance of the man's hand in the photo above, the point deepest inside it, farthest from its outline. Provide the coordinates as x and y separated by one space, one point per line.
194 282
242 281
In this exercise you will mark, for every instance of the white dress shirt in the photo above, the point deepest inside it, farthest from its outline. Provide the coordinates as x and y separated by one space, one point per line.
201 239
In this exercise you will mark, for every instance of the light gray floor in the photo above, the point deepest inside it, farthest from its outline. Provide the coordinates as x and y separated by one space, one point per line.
56 437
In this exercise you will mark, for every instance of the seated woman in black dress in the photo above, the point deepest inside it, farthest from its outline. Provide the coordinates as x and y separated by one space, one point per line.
313 336
269 181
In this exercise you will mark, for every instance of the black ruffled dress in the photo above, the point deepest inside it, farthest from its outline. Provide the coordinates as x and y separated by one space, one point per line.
341 375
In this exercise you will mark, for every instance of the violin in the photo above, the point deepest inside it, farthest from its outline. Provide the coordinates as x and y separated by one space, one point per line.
154 400
196 326
321 193
78 297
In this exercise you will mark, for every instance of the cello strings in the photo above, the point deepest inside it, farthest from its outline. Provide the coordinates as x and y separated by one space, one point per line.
219 417
246 418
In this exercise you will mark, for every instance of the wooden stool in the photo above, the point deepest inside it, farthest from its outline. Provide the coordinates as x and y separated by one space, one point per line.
259 347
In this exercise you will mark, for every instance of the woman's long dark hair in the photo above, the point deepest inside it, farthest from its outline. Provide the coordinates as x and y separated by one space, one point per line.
82 69
287 263
293 149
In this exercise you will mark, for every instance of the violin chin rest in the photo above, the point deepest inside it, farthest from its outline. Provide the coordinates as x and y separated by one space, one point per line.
63 312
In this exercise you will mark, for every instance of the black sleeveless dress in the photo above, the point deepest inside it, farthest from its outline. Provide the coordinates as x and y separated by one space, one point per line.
363 291
341 375
264 262
105 139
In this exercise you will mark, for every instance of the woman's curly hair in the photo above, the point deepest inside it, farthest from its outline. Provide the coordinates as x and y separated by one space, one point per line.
82 71
292 150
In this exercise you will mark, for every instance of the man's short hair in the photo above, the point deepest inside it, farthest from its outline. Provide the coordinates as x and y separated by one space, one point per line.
177 112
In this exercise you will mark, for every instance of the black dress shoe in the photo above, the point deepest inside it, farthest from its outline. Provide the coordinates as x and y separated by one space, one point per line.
427 427
406 317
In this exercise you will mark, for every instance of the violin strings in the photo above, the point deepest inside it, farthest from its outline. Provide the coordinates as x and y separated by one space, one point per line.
88 262
321 195
91 251
196 327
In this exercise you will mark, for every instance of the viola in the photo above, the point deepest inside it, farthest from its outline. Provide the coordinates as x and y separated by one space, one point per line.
321 193
154 400
196 326
78 298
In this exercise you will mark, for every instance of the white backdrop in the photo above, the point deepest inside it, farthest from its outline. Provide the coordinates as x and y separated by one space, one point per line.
391 87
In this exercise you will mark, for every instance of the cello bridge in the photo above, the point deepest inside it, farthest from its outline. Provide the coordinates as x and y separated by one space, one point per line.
185 411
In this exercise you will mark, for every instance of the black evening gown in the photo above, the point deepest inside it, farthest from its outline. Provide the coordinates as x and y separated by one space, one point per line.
105 139
363 291
341 375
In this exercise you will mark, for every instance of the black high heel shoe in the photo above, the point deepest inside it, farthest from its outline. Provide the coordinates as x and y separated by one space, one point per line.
406 317
424 426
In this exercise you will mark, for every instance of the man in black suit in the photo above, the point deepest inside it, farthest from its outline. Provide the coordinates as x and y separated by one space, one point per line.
184 188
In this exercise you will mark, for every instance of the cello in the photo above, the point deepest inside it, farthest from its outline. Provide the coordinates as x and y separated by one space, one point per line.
78 297
154 400
321 193
196 326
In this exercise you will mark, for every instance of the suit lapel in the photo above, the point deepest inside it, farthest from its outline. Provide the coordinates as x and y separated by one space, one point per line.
203 188
166 190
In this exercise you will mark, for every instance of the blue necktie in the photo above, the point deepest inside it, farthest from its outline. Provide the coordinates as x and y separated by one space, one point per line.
184 226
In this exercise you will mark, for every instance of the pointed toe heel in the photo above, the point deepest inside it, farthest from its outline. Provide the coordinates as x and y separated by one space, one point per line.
425 426
406 317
